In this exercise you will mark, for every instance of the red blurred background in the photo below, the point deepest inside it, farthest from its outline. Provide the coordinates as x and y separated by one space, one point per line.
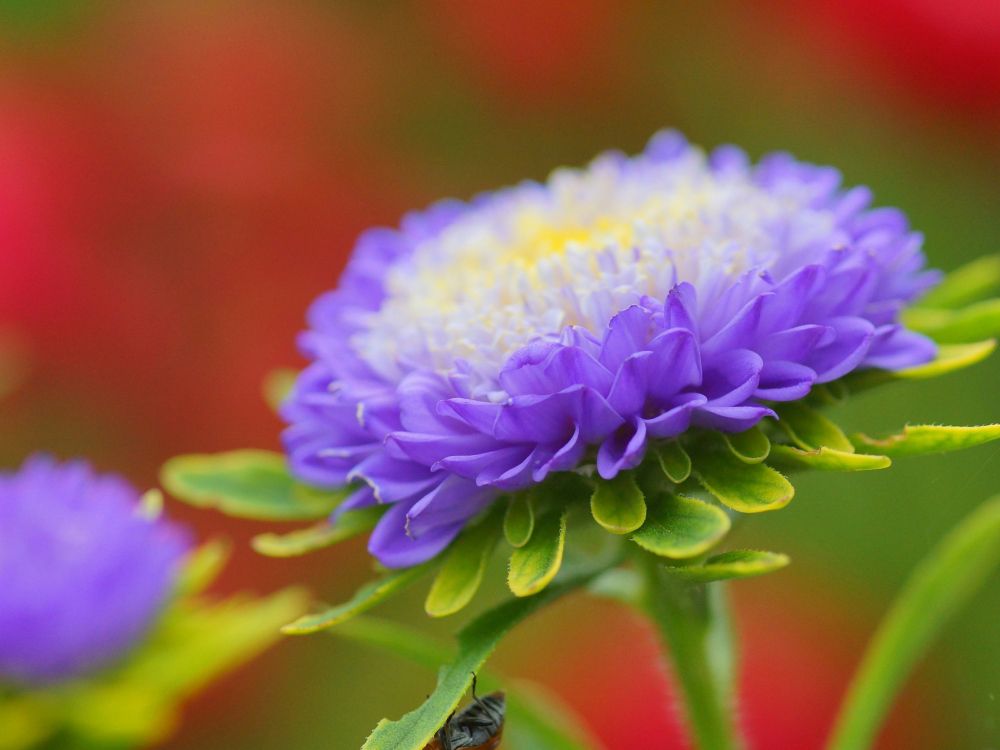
178 180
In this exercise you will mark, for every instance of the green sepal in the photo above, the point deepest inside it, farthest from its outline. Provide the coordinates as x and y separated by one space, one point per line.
747 488
618 504
252 484
810 429
151 504
679 527
674 460
277 386
463 566
370 595
476 641
533 566
740 563
750 447
916 440
973 323
348 524
826 459
968 283
950 358
519 519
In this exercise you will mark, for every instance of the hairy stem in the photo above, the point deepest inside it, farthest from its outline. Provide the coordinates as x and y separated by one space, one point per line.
693 624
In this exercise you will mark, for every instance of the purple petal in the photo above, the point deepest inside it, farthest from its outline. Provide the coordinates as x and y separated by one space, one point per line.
391 545
622 450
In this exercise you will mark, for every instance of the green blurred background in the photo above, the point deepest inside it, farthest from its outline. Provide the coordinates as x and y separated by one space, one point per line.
179 179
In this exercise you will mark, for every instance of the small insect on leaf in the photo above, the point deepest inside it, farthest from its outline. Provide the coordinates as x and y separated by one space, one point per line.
478 726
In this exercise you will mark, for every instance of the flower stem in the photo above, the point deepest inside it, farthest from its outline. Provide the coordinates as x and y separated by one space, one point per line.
693 623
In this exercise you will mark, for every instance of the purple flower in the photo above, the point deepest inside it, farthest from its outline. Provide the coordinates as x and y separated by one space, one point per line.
484 345
82 573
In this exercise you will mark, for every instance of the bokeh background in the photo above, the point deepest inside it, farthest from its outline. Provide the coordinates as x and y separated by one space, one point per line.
179 179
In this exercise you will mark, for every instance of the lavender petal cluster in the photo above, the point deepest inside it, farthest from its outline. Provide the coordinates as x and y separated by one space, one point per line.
83 574
482 346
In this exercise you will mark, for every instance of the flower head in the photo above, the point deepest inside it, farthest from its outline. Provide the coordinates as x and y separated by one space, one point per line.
82 572
483 346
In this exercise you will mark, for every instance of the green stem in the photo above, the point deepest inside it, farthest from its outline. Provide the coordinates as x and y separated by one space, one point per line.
693 623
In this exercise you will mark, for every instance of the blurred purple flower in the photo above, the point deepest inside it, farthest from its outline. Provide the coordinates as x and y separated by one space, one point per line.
484 345
82 572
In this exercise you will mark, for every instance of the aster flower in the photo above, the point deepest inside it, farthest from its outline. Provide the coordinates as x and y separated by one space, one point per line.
483 346
82 573
95 601
648 343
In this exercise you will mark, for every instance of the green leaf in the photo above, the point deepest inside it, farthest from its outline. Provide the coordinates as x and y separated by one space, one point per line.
134 703
978 321
370 595
464 563
475 644
533 566
950 358
966 284
748 488
618 504
349 524
246 484
679 527
810 429
733 564
519 520
674 460
202 567
936 590
750 447
278 386
534 716
916 440
826 459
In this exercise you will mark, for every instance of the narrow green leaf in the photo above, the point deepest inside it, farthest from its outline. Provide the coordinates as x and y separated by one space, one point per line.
916 440
618 504
810 429
278 386
133 703
741 563
942 583
534 716
475 644
519 520
246 484
368 596
533 566
674 460
973 323
349 524
966 284
951 357
750 447
464 563
202 567
826 459
748 488
679 527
